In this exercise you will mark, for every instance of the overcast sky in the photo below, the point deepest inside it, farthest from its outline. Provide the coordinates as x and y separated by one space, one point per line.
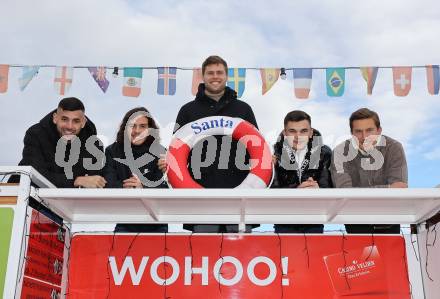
246 34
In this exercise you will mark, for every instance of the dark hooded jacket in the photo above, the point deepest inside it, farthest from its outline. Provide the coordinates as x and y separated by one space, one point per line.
203 106
40 143
316 164
116 172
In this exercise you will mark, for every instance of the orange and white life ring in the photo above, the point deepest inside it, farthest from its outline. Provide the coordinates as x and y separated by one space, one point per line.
188 136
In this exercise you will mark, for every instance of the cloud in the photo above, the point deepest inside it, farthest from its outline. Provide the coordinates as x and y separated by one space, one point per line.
433 155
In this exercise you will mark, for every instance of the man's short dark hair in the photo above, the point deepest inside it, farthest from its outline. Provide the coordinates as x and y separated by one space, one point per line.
364 113
71 104
297 115
214 60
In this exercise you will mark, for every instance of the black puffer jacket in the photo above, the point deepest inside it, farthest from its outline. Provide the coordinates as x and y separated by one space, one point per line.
214 176
319 157
116 172
40 143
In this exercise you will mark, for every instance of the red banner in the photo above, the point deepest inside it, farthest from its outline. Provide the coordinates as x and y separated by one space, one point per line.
44 258
238 266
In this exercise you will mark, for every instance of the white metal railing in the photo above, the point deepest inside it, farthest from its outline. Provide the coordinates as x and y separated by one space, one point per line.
99 206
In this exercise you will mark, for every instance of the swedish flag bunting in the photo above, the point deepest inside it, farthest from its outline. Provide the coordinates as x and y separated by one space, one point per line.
99 75
166 82
335 81
236 80
63 79
402 80
269 77
28 73
369 74
302 80
4 74
132 81
196 80
432 76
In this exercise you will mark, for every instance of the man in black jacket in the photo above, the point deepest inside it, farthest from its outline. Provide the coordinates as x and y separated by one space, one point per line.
214 98
301 161
64 148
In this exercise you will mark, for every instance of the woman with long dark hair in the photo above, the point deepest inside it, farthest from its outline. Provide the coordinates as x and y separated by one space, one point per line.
131 161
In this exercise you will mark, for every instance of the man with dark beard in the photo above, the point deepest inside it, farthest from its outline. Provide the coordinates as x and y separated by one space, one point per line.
67 126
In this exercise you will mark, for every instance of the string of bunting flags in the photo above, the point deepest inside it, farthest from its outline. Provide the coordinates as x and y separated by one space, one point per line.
167 77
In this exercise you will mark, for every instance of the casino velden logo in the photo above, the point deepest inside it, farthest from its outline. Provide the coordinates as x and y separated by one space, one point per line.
213 123
357 269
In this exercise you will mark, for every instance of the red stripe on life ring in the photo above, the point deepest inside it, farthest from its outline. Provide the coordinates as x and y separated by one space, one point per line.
259 151
177 160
